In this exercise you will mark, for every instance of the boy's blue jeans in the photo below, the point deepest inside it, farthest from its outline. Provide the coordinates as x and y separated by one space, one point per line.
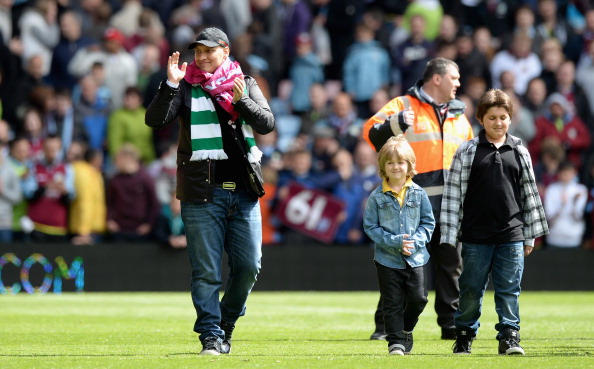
231 222
505 263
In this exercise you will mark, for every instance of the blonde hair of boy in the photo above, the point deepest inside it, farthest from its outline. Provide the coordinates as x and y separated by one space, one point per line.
398 147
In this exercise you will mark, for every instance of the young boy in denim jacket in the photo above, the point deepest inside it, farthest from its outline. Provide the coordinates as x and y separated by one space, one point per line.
399 220
491 204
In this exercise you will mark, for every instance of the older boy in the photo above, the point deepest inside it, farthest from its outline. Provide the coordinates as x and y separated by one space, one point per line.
491 204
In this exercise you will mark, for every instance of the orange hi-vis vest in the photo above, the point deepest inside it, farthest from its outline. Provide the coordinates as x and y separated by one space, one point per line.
434 138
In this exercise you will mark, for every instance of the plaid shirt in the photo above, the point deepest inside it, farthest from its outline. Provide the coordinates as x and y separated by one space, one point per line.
535 224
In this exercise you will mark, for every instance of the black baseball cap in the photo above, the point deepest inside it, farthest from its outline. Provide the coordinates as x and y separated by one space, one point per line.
211 37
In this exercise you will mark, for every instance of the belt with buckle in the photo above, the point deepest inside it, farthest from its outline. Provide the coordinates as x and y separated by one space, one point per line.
231 186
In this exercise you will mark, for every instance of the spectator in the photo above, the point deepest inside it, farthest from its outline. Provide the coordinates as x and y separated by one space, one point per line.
561 121
588 33
475 88
251 63
49 189
61 121
546 168
20 159
551 25
472 63
10 195
88 210
40 32
150 72
150 32
341 19
585 75
448 30
566 85
72 39
519 59
121 69
266 29
535 97
411 57
350 190
34 131
525 23
95 15
169 229
6 135
92 112
126 125
522 120
432 13
366 69
103 92
27 88
163 171
132 17
551 56
6 21
343 120
320 108
564 205
305 70
485 42
588 175
132 205
237 16
296 19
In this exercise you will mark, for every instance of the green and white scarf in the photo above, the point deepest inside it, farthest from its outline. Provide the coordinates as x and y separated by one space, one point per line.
205 130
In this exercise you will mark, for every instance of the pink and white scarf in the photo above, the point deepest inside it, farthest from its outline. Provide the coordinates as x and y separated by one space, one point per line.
218 84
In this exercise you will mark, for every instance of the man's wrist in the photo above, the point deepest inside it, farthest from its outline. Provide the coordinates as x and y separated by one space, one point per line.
171 84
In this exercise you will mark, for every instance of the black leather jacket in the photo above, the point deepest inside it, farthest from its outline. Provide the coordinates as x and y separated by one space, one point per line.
195 179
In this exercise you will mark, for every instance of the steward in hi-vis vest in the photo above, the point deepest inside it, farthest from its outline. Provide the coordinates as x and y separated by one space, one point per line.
435 135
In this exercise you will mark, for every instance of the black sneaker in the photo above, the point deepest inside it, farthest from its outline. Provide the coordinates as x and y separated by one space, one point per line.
396 349
379 335
211 346
509 343
228 329
463 343
448 333
408 342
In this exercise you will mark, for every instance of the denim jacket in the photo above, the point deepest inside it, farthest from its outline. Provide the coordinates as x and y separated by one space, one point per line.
385 222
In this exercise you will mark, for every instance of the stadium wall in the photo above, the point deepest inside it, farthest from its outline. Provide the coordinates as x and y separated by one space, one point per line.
55 268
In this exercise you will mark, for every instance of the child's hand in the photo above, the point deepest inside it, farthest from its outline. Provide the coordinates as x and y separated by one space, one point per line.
408 246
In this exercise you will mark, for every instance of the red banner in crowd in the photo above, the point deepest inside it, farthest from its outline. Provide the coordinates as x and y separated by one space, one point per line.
309 211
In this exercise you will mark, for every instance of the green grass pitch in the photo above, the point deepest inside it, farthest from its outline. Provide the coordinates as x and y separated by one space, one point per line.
321 330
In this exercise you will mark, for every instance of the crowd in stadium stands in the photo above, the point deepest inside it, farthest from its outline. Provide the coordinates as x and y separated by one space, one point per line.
78 163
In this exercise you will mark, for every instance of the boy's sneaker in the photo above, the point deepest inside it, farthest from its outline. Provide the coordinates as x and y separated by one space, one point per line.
463 343
509 343
379 335
408 342
211 346
396 349
228 329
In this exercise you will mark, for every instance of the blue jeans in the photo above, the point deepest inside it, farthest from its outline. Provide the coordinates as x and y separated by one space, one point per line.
231 222
505 263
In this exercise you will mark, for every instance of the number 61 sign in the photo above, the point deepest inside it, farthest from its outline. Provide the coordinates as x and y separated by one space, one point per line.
309 211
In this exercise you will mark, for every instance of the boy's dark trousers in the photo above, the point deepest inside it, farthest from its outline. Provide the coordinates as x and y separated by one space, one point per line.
404 296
